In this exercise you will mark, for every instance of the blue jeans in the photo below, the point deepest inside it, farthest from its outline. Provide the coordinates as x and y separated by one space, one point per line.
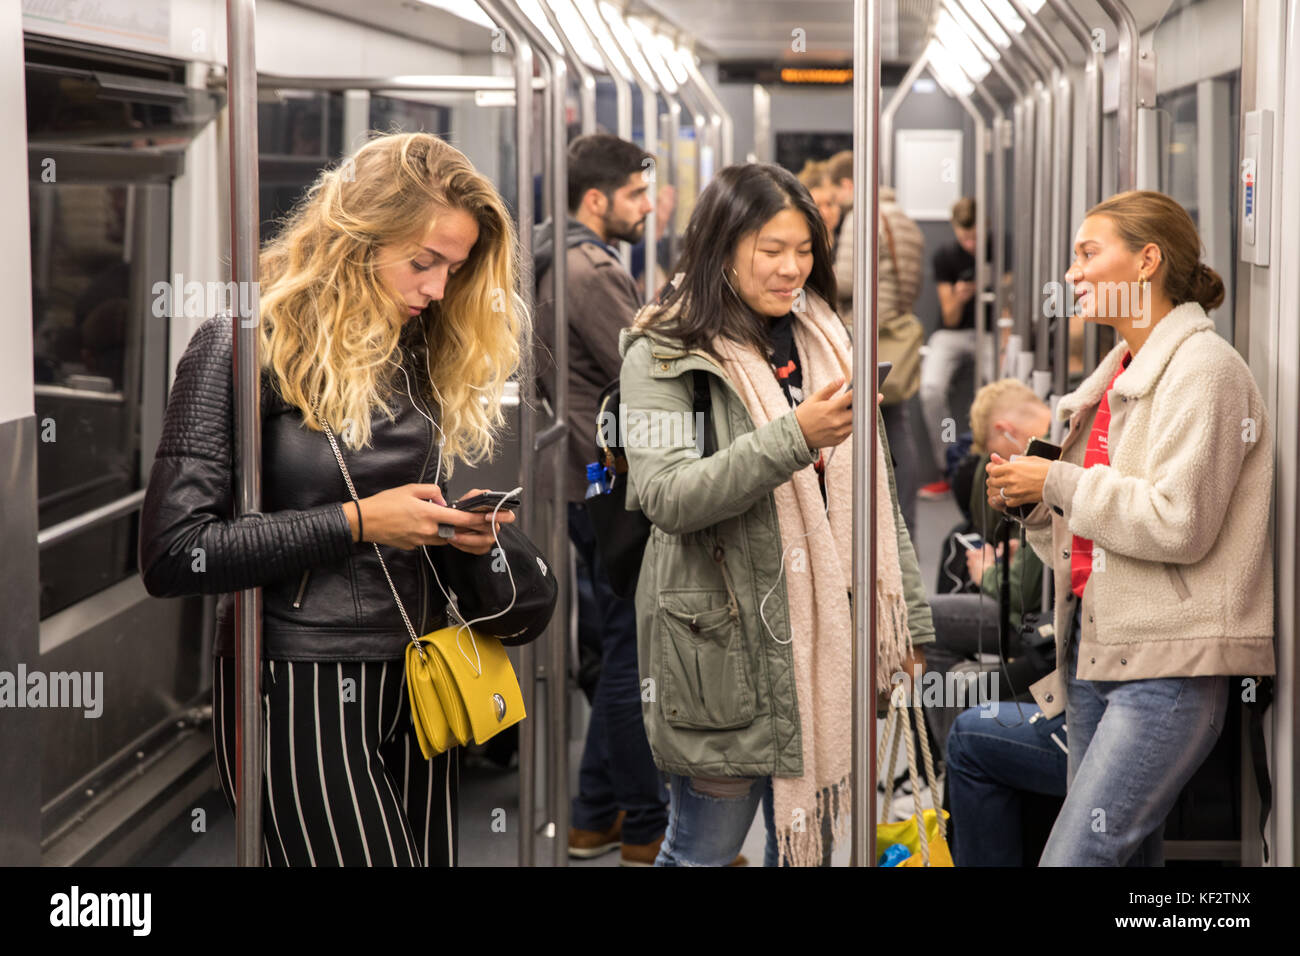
992 761
708 830
1134 745
617 770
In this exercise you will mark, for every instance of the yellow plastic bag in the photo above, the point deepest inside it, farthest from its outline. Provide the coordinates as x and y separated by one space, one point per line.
907 833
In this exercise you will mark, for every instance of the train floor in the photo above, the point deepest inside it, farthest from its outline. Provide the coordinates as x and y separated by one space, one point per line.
483 786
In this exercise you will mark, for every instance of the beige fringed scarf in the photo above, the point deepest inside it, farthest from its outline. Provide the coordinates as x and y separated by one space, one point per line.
818 562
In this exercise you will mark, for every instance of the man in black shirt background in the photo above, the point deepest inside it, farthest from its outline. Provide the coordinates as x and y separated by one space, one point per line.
952 344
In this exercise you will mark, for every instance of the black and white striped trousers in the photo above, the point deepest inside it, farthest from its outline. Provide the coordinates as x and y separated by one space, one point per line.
345 782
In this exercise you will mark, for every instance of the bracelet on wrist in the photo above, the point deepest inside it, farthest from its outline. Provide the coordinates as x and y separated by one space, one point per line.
361 528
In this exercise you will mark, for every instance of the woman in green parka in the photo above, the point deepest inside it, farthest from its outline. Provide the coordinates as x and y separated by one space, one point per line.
744 627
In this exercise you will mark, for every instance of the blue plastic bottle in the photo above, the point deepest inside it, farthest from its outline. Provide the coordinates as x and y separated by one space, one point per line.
595 480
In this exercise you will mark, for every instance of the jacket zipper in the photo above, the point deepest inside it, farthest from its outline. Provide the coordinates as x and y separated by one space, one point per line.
302 589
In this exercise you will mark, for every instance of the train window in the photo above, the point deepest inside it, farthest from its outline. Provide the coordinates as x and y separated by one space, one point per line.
298 133
103 148
1202 179
391 114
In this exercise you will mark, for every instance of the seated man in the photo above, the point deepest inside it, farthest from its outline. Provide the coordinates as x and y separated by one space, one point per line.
1004 416
993 762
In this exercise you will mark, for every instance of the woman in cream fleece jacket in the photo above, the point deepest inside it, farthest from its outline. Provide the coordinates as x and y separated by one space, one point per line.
1156 522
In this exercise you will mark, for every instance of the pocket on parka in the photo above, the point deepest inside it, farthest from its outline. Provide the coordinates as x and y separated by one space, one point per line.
704 679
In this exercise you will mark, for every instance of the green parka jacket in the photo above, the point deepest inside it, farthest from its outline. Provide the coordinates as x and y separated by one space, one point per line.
718 692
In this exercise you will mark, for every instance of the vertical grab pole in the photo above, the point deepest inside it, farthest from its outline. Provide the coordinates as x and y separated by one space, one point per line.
728 130
622 92
887 118
1037 201
649 142
523 69
241 17
866 174
552 440
673 119
1126 55
1020 127
996 137
586 79
981 229
1062 126
1092 117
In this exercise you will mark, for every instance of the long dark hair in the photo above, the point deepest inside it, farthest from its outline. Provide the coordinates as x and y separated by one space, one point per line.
739 201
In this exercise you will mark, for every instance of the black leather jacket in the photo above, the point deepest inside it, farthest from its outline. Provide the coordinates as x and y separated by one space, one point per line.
324 597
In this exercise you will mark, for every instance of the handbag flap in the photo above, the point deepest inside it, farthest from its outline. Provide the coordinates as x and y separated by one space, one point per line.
478 671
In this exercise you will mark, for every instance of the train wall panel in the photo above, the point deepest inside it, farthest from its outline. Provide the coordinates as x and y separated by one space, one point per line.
144 658
21 731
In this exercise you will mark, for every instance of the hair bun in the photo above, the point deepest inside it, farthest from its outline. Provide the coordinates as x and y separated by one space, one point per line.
1207 287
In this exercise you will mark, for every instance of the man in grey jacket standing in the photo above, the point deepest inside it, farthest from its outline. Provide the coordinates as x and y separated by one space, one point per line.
620 796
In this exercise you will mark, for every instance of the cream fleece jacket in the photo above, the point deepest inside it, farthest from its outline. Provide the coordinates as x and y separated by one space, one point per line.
1182 580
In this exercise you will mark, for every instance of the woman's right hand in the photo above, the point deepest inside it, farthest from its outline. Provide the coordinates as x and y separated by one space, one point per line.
408 516
996 501
826 418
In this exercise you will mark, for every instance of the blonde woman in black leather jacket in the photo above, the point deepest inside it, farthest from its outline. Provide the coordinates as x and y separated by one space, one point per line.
387 303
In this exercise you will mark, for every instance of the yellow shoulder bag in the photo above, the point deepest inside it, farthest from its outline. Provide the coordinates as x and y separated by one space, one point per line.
455 698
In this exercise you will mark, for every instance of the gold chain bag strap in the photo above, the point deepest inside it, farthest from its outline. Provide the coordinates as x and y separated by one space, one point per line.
455 699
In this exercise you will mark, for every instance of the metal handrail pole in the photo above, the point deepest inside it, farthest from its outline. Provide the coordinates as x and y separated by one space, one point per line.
699 120
1038 198
707 125
866 176
1094 68
998 138
1126 54
241 18
981 232
586 79
887 113
555 168
728 129
650 143
1094 74
523 69
674 117
432 83
1052 353
1022 117
622 104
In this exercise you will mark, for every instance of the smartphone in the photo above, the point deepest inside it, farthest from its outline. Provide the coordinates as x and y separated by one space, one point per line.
971 542
1037 448
487 502
882 372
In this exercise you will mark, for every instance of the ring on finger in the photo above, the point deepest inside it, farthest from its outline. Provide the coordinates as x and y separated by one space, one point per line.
1003 493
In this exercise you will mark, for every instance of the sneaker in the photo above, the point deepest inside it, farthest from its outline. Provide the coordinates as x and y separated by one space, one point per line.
934 490
586 844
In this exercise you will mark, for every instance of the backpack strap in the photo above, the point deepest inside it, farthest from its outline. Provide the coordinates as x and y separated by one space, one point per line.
703 405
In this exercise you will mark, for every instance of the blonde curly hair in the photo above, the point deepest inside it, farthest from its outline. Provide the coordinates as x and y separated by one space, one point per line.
330 324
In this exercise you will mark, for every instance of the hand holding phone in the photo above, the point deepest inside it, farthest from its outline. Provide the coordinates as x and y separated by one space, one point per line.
826 416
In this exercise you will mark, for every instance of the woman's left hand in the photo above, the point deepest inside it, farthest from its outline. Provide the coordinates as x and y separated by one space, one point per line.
479 542
1018 482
